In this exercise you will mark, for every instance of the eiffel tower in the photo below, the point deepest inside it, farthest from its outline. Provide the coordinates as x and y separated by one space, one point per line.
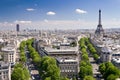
99 31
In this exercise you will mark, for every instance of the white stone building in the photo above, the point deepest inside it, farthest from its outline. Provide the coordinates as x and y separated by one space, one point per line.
9 54
5 71
68 67
105 55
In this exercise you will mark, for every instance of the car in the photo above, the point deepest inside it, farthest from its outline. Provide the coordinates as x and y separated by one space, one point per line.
33 77
31 72
99 76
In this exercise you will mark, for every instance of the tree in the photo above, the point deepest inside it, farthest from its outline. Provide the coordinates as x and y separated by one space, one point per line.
33 53
85 66
91 48
48 78
37 59
22 45
17 74
82 72
102 68
64 78
74 78
18 65
82 43
48 68
83 63
108 70
111 70
85 57
89 70
20 73
112 77
26 73
83 50
89 78
96 57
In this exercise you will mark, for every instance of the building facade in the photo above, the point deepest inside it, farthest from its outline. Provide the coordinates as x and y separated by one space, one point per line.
68 61
9 54
68 67
105 55
5 71
17 28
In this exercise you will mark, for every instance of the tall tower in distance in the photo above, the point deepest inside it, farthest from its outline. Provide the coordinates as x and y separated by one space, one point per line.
99 31
17 28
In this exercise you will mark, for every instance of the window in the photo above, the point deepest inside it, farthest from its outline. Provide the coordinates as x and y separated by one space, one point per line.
4 76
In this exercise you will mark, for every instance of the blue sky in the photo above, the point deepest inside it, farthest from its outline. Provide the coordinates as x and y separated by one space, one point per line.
59 14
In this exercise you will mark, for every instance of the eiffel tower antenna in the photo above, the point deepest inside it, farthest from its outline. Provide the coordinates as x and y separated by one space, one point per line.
99 17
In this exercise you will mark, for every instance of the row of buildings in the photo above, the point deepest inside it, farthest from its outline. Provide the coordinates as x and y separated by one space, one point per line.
61 45
10 41
107 44
58 46
67 56
9 53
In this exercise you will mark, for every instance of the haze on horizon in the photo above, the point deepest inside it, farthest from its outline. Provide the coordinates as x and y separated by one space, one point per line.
58 14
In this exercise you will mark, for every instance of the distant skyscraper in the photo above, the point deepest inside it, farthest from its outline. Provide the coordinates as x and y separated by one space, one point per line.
17 28
99 30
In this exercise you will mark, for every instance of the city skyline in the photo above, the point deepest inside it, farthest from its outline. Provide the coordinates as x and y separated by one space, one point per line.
58 14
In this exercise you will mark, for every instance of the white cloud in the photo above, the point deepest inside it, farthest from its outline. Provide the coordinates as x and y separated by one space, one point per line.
45 20
30 9
22 22
80 11
50 13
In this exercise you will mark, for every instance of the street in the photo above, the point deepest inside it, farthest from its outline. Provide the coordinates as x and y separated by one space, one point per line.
32 68
95 67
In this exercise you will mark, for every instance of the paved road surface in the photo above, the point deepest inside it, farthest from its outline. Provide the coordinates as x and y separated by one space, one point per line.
32 68
95 67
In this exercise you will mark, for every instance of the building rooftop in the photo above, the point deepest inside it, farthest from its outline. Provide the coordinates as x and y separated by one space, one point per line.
71 49
8 48
105 49
1 40
116 52
116 60
100 45
67 60
3 65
